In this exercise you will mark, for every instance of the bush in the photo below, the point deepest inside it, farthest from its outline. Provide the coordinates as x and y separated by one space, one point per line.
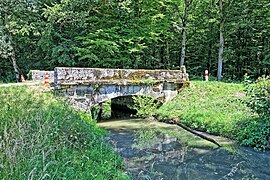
253 132
145 106
256 131
259 96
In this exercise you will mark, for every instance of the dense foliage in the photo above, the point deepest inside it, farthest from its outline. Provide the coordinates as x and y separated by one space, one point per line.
145 106
259 96
43 34
41 138
256 131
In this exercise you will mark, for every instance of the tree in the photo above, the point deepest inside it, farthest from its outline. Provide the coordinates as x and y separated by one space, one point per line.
20 23
6 47
43 34
184 31
221 41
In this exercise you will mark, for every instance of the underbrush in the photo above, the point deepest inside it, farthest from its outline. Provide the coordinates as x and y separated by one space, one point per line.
259 96
256 132
42 138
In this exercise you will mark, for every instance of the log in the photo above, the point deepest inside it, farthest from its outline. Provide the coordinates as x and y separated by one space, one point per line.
175 121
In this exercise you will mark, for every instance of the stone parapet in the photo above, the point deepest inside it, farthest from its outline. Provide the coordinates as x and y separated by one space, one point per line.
39 75
70 75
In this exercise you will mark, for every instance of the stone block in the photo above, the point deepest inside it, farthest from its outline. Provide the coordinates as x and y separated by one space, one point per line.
39 75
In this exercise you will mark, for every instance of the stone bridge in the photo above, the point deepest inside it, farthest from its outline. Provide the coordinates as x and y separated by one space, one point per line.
86 87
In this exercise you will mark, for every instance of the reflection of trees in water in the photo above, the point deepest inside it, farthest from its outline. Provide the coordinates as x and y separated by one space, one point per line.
164 150
170 158
160 148
169 149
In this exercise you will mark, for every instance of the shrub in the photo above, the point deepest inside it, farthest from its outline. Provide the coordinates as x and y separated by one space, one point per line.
145 106
256 130
259 96
253 132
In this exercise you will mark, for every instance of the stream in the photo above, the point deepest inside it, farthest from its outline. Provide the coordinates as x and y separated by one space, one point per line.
155 150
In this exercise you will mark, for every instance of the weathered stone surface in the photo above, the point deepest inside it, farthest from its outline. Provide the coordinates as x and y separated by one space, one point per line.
67 75
86 87
39 75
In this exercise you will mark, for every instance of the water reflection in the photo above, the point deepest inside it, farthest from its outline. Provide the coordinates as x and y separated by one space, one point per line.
167 156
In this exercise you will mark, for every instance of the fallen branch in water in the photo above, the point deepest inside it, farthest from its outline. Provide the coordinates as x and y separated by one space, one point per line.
175 121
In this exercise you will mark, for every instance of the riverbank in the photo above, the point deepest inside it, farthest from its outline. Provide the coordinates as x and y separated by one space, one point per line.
41 137
155 150
217 108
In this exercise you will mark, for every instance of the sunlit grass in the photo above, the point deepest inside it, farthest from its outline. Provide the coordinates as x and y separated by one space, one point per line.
43 138
214 107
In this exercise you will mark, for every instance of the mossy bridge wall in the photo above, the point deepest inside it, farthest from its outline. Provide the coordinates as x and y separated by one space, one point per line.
85 87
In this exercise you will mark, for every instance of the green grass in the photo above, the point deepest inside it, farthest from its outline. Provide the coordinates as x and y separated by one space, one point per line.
221 109
214 107
42 138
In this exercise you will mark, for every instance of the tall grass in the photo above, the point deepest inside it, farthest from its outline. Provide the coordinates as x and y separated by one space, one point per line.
42 138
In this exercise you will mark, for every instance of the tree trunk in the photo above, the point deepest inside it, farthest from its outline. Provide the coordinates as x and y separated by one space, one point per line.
178 123
184 32
15 67
221 46
198 134
168 63
12 57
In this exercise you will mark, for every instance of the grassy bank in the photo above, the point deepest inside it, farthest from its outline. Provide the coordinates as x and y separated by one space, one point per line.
42 138
217 108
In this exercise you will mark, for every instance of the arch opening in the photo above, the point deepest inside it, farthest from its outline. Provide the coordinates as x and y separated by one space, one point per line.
118 107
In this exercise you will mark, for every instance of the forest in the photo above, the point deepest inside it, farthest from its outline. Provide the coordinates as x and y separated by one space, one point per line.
42 137
227 37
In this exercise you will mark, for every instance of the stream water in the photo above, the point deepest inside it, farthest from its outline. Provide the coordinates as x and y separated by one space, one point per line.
154 150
